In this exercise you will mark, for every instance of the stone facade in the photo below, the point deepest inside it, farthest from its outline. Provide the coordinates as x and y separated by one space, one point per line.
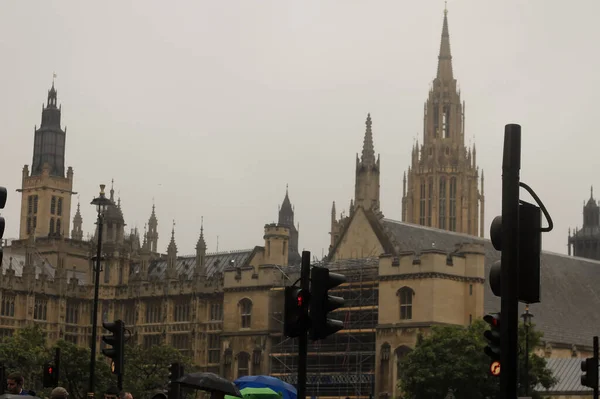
225 310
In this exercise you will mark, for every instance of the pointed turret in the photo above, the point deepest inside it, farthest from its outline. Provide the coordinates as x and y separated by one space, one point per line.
368 151
152 235
200 252
367 173
286 219
172 256
444 70
77 232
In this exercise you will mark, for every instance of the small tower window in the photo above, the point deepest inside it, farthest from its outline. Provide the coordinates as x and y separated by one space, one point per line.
58 227
405 295
51 229
422 204
453 204
442 207
245 313
35 204
430 201
59 206
53 206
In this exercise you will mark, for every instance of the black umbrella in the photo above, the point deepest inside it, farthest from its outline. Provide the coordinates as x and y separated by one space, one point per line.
209 382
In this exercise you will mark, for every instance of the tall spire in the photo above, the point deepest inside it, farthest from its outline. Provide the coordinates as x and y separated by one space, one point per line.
368 152
444 71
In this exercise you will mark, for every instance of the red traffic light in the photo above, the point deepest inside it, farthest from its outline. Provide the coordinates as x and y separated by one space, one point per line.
50 370
300 299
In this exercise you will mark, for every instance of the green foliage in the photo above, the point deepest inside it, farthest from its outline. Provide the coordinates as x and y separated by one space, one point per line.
452 357
75 370
26 352
147 369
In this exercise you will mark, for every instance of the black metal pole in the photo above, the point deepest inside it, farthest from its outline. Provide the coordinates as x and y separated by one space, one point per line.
509 325
596 373
303 338
57 365
91 389
526 376
120 381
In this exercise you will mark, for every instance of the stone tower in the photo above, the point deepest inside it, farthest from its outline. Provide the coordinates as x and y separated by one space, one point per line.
585 242
46 191
286 219
441 187
366 187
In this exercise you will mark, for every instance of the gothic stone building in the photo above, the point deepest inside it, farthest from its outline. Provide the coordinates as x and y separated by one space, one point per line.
225 309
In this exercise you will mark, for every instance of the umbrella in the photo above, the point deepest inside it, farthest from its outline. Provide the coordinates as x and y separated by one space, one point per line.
209 382
265 381
258 393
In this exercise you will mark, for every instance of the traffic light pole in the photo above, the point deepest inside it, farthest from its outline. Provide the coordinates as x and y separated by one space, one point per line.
596 356
511 165
303 338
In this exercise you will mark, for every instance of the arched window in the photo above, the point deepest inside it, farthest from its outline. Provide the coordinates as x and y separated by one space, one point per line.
51 232
245 306
422 204
243 361
53 206
58 227
405 295
430 201
453 204
442 207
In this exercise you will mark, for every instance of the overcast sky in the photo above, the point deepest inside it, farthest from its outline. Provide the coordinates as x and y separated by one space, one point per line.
212 107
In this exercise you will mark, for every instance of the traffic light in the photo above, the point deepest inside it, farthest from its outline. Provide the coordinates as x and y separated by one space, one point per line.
493 337
590 368
321 303
295 320
50 379
175 373
117 341
530 249
3 195
2 379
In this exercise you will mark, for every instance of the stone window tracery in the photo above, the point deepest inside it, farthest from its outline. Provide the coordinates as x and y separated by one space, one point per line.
245 306
405 295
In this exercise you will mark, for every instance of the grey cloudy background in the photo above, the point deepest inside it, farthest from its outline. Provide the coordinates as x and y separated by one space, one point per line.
212 107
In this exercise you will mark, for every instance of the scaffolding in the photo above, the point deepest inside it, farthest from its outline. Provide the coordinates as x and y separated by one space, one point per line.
343 365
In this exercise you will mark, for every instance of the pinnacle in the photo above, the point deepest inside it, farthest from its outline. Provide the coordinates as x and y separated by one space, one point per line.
368 152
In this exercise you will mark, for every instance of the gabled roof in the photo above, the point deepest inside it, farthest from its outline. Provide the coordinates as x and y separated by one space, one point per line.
377 227
568 313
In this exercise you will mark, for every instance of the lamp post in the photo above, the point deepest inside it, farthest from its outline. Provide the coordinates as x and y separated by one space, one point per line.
527 322
101 204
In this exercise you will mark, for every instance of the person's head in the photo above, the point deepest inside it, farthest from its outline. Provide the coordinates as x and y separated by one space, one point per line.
125 395
160 395
112 393
14 383
59 393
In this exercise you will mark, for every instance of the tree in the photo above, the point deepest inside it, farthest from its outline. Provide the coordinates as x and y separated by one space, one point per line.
147 369
452 357
26 352
75 370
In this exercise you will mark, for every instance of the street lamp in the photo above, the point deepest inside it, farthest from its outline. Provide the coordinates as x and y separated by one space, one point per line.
101 204
527 322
